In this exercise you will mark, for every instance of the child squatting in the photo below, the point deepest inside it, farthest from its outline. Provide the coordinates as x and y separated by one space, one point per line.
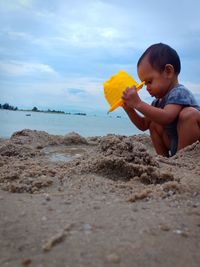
173 118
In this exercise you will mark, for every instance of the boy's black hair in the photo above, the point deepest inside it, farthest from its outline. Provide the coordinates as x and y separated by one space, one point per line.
161 54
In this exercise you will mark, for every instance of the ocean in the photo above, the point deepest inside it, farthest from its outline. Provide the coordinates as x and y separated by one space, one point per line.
61 124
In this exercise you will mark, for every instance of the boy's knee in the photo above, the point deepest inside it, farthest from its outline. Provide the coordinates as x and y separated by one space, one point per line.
189 114
155 127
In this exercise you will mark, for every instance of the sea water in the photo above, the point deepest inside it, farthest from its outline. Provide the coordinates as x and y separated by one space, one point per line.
61 124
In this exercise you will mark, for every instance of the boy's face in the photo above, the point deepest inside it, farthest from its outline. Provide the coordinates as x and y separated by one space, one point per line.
157 83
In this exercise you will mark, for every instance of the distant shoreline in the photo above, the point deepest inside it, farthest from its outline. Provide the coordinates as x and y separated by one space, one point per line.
65 113
7 106
47 112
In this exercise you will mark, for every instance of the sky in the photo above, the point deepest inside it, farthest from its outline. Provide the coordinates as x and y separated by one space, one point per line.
57 54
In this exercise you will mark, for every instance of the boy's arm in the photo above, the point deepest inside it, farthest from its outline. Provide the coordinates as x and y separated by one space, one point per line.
161 116
142 123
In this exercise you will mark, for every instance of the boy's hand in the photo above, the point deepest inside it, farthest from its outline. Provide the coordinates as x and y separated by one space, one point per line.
131 97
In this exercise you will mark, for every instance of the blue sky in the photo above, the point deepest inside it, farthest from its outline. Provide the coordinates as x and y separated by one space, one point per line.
57 54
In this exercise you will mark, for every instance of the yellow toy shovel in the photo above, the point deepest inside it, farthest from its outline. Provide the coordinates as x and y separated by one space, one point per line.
113 88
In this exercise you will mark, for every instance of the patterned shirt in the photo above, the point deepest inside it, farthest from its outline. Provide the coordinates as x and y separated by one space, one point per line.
179 95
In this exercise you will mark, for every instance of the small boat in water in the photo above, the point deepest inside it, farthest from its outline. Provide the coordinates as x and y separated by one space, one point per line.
28 115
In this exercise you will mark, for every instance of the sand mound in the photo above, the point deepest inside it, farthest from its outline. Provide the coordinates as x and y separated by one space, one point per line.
126 148
26 165
120 157
40 139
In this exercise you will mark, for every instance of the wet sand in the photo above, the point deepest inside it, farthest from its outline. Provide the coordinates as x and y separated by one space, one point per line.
98 201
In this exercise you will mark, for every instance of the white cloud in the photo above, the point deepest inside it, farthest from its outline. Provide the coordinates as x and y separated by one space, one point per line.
19 68
68 87
20 35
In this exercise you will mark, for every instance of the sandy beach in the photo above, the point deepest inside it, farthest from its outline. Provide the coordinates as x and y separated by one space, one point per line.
99 201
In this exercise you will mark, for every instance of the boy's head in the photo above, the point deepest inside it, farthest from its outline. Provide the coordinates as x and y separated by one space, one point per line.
161 54
159 67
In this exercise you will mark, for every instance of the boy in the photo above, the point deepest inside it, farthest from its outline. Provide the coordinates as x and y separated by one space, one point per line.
173 119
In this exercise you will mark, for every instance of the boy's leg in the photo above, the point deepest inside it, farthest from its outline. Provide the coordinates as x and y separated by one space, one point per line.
188 127
160 139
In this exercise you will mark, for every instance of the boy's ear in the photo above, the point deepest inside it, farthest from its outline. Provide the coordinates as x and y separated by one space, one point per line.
169 69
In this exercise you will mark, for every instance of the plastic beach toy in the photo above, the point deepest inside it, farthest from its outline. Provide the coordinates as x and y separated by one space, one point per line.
114 87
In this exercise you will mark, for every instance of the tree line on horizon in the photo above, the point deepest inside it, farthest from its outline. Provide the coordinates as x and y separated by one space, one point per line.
35 109
7 106
10 107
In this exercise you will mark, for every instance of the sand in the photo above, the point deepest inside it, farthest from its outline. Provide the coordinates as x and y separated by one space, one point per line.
98 201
